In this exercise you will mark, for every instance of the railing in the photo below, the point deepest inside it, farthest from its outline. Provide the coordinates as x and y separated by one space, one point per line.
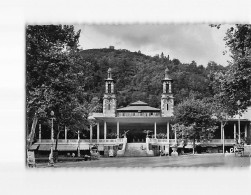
120 140
152 140
138 114
172 141
229 141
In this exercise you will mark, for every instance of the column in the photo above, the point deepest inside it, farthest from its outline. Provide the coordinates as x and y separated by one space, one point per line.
175 137
78 144
78 136
221 131
234 131
52 131
223 140
40 137
246 130
117 129
155 130
239 130
167 133
65 133
98 133
105 130
90 133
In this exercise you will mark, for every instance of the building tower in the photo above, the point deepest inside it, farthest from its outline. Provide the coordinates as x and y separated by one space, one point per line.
109 99
167 96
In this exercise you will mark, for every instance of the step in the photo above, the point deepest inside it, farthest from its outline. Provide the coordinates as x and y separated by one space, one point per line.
135 149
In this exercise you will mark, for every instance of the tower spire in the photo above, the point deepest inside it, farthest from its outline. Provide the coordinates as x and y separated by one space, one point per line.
109 73
167 97
109 99
166 74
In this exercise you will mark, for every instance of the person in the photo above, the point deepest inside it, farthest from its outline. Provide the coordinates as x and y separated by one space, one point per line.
160 152
73 154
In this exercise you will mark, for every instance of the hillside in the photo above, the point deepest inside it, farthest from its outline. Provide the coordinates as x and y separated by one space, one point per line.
138 76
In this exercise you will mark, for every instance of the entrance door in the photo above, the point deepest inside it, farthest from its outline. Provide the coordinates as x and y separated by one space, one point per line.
135 136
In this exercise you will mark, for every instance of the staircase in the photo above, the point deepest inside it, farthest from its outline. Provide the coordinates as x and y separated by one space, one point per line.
135 149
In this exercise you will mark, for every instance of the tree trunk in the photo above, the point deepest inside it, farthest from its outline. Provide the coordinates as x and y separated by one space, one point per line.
193 144
55 155
56 146
32 132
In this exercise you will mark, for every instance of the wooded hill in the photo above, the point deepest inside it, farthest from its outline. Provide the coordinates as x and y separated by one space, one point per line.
138 76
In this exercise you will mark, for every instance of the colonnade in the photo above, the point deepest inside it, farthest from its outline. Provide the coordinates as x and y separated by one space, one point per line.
155 132
118 125
235 132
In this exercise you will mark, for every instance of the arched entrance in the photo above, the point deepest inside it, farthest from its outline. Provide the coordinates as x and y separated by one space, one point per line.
136 136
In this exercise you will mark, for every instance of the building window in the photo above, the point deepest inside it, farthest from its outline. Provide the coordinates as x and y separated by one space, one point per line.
166 106
109 75
109 106
167 87
109 88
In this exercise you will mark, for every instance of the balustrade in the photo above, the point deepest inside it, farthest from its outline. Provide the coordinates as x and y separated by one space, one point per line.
151 140
136 114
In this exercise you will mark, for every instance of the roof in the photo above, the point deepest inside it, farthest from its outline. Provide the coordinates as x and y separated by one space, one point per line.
139 105
67 147
45 147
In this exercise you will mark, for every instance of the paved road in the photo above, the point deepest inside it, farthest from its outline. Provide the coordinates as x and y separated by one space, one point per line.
199 160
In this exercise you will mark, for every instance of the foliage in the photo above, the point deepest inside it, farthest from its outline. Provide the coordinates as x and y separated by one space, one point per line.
161 136
194 120
55 78
234 84
138 76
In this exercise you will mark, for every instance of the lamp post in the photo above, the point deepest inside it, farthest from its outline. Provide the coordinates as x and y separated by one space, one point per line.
239 123
51 161
78 143
52 131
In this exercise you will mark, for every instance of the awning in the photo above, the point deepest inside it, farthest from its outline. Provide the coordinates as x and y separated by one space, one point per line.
189 146
67 147
84 147
34 147
101 148
180 145
45 147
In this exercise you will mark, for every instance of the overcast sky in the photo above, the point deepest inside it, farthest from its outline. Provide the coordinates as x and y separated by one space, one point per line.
187 42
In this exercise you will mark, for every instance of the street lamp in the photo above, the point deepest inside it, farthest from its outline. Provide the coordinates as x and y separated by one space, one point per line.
51 162
239 123
52 132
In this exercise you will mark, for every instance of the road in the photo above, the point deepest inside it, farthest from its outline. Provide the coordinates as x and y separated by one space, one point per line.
198 160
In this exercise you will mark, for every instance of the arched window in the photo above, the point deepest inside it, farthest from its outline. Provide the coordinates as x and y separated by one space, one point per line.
167 87
166 106
109 106
109 88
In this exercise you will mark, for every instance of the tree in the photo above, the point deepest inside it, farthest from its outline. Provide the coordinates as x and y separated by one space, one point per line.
194 120
234 84
55 78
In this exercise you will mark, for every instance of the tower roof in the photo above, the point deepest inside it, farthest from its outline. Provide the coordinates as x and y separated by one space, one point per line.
109 78
138 106
138 103
167 77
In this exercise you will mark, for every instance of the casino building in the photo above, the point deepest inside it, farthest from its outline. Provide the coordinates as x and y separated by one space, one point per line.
141 130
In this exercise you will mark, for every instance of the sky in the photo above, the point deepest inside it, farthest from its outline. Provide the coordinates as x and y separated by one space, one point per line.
186 42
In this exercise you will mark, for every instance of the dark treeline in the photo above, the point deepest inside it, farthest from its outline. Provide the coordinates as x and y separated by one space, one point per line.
138 76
